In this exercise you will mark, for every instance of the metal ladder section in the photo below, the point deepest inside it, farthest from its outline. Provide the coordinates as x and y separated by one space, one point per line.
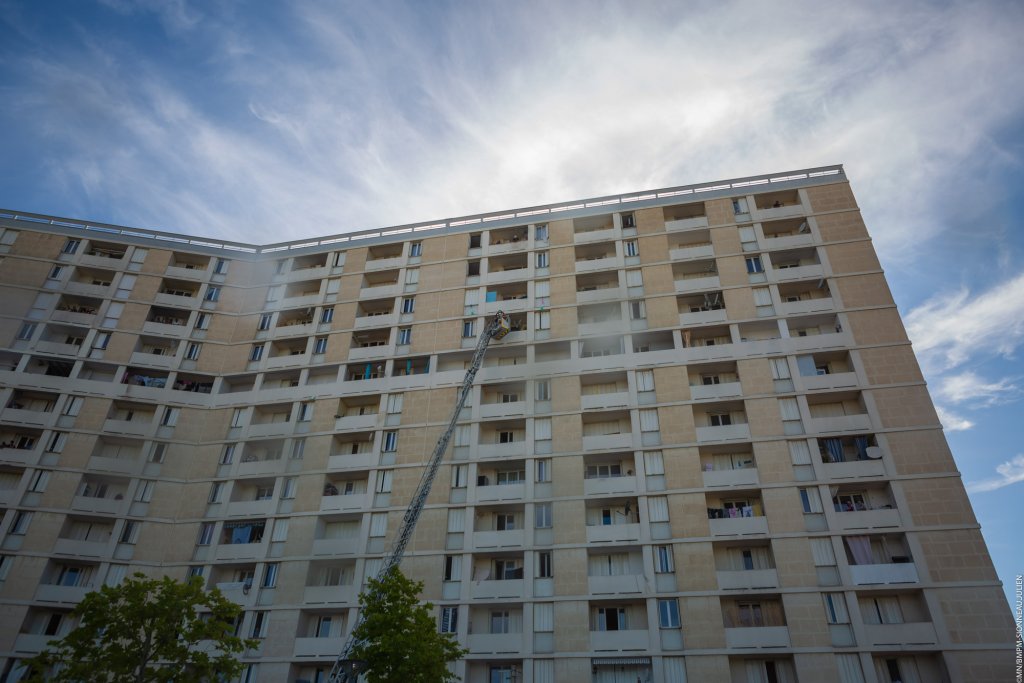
343 670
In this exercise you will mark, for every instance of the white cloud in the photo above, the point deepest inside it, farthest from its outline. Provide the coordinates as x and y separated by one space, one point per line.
1010 472
952 422
968 386
951 328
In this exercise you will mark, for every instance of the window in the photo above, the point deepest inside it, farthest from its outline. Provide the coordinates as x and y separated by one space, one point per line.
654 463
542 259
37 484
468 328
449 620
408 304
542 293
754 264
412 276
543 320
20 524
384 481
404 336
320 345
739 205
452 567
264 322
221 268
473 269
205 533
657 509
202 321
668 613
390 442
216 490
57 442
26 331
130 532
192 351
542 388
637 310
719 419
259 626
649 420
159 450
631 248
213 294
506 437
474 240
256 352
835 608
540 233
288 490
460 475
543 470
71 246
378 524
270 575
170 417
628 220
327 315
55 272
664 562
228 454
416 249
544 567
305 412
810 500
542 515
144 492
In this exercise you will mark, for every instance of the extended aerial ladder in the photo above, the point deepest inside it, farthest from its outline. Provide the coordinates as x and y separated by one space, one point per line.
343 670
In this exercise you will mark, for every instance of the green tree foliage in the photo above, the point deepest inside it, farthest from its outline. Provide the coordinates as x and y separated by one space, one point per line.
398 641
147 630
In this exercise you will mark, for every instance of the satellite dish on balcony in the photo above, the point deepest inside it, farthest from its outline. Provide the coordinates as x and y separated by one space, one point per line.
873 452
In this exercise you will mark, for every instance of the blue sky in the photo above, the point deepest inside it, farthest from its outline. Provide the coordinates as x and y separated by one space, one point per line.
271 121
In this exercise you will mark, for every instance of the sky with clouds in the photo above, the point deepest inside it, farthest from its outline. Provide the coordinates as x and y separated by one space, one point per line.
273 121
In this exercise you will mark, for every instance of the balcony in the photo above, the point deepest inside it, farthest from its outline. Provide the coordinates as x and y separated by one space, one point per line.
87 289
697 284
384 320
601 442
177 329
318 647
615 399
737 432
67 546
692 252
352 461
266 429
32 642
699 392
336 546
591 265
348 503
238 592
251 508
76 317
777 212
500 492
842 423
58 348
613 533
836 380
787 241
59 593
811 270
757 636
384 291
745 476
867 519
824 303
27 417
703 317
383 263
355 422
508 589
502 450
152 360
622 584
875 574
633 639
597 486
103 506
510 409
853 469
590 296
258 466
900 635
512 538
748 579
738 526
362 353
495 642
686 223
330 594
240 551
140 427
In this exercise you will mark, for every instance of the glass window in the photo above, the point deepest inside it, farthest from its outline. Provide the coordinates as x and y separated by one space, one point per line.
668 613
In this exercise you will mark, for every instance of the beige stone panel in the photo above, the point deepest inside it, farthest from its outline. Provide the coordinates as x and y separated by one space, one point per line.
291 582
17 302
575 669
764 417
755 376
831 197
42 532
309 489
560 232
695 566
355 259
428 306
60 489
232 300
732 271
662 311
456 246
976 615
424 336
941 500
805 616
570 570
905 407
416 445
739 303
708 668
570 523
567 476
344 316
658 279
702 622
783 509
774 463
147 286
426 569
132 318
842 226
166 542
719 211
563 290
956 555
435 276
653 248
816 667
23 576
566 433
338 347
25 273
9 328
435 248
563 323
794 562
562 260
649 221
671 384
254 299
239 330
416 406
857 291
676 424
565 393
431 532
220 358
682 468
882 326
301 532
573 632
78 449
350 285
38 244
318 448
93 413
920 452
980 666
13 616
688 515
725 240
201 424
891 365
852 257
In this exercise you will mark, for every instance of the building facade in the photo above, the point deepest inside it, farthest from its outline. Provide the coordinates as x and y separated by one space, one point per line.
704 453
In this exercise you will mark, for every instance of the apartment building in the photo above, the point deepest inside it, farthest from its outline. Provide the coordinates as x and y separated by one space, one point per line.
704 453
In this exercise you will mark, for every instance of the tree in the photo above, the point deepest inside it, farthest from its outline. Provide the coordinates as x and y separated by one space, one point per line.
147 630
397 640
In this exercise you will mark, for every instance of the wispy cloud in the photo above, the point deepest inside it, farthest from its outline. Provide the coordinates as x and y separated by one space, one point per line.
952 422
970 387
1010 472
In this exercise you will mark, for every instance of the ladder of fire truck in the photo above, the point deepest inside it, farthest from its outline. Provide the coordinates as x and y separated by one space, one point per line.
343 670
